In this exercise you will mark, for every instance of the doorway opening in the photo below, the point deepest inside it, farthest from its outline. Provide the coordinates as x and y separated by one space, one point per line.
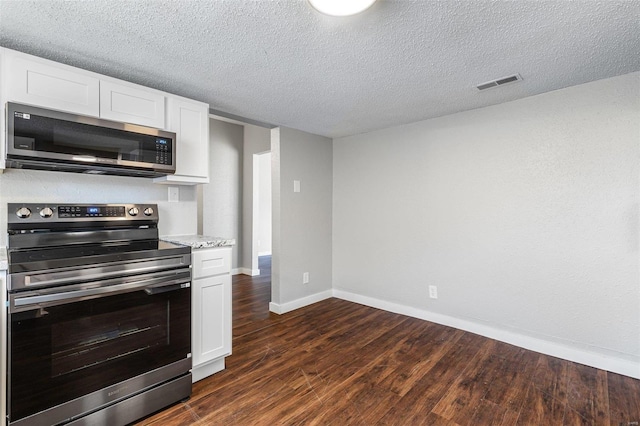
261 241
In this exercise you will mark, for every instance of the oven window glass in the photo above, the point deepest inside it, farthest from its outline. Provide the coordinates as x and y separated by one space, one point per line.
63 352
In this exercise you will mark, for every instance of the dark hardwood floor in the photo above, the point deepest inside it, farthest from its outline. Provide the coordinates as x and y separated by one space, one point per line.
340 363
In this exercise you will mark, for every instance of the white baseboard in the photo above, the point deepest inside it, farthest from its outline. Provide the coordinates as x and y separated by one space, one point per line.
556 349
245 271
264 253
299 303
201 371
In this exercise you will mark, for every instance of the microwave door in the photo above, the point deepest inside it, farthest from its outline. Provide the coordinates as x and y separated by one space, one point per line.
44 139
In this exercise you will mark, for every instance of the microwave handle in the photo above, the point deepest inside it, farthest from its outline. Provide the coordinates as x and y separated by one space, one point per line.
27 303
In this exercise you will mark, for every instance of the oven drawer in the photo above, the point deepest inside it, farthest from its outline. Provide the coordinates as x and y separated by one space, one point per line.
210 262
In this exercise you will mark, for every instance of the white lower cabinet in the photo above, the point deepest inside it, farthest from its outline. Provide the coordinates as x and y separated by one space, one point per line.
211 310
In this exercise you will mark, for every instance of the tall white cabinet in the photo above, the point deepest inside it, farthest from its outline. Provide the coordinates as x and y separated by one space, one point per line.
211 310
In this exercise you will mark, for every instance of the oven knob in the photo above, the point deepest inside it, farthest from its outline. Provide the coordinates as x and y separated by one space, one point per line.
133 211
23 213
148 211
46 212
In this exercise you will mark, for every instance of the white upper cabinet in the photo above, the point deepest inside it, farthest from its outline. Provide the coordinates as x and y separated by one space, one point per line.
47 84
120 102
42 83
190 121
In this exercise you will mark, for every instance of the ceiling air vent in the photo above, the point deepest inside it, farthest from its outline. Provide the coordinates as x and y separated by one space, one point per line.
499 82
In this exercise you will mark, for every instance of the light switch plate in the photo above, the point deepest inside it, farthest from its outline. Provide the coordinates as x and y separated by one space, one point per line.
296 186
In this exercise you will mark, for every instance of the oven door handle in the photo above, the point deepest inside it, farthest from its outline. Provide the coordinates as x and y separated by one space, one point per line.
71 275
151 285
164 289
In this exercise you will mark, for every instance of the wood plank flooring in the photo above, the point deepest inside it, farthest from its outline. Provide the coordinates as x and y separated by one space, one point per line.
340 363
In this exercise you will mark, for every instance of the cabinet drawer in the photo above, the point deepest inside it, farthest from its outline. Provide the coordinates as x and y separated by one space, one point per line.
211 262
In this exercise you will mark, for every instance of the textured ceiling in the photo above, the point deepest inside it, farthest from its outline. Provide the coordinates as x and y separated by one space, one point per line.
281 62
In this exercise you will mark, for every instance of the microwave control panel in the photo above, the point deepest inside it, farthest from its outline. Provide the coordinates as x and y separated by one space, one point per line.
163 151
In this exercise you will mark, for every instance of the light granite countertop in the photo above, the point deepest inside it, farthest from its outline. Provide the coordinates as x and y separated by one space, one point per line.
199 241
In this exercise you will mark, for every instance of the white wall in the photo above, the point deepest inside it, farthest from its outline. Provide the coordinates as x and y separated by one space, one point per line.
525 216
256 140
221 198
301 220
30 186
264 204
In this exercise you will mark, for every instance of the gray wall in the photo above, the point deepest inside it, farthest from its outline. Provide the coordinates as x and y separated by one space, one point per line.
525 216
264 201
301 221
221 197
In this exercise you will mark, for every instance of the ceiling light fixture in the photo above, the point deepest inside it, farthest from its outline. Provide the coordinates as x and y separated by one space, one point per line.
341 7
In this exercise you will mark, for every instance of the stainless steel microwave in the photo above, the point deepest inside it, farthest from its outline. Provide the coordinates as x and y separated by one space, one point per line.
43 139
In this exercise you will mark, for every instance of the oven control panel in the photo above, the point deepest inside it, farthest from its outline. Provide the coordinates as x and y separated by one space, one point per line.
91 211
41 213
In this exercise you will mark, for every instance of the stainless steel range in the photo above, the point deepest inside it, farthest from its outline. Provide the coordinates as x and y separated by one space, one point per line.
99 315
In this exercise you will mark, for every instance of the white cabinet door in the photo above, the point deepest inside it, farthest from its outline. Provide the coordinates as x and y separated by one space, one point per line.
129 104
50 85
190 121
211 324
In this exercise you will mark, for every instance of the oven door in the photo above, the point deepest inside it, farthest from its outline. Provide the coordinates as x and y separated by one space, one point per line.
78 350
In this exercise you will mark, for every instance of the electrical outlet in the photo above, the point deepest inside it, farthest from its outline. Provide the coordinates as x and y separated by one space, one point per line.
305 278
433 292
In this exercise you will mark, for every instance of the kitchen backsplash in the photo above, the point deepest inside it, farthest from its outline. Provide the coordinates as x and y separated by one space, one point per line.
176 218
